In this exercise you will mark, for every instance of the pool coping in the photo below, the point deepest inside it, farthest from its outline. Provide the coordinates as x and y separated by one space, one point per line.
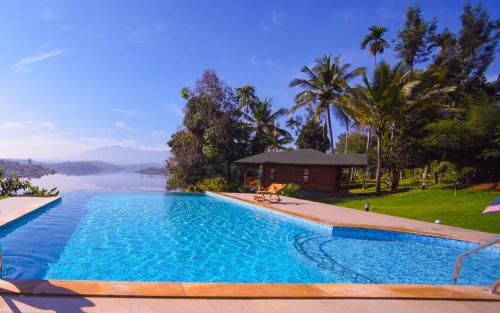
42 202
350 225
236 290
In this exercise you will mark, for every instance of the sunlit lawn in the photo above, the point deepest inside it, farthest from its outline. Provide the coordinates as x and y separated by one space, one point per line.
463 210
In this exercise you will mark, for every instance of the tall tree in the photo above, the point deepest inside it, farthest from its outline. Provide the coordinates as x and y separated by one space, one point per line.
375 41
268 134
323 86
391 95
413 43
466 56
310 135
212 136
246 97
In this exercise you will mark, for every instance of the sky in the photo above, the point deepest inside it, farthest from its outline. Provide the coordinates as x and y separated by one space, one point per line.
77 75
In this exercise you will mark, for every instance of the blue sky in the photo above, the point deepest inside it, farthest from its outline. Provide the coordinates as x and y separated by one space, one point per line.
76 75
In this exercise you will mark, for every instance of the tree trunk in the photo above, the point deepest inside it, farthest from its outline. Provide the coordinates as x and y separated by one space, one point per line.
374 64
332 148
368 143
378 173
346 140
394 179
426 172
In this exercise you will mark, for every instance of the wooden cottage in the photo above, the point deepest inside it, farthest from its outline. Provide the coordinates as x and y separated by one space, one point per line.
310 169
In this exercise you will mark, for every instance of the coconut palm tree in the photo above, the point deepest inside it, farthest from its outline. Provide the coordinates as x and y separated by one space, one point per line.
376 43
323 86
246 97
393 94
268 134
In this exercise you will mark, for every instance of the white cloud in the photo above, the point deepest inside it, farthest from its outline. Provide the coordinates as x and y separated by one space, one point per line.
7 126
43 140
121 125
27 62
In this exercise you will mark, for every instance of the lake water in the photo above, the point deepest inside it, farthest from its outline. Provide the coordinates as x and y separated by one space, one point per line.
120 181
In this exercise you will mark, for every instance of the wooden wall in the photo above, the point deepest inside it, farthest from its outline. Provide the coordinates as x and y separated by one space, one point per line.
323 178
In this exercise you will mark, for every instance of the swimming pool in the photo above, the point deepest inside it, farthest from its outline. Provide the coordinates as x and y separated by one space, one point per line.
141 236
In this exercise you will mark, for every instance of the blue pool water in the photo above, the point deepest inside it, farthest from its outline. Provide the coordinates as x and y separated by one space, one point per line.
201 238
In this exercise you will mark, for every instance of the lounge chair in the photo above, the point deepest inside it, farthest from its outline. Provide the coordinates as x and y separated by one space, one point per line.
272 191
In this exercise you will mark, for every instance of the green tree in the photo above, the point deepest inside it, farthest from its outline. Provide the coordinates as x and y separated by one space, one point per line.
391 95
268 135
414 40
323 86
212 136
246 97
375 41
465 57
357 143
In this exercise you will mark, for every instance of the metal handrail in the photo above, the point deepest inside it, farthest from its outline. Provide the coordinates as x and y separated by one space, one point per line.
460 259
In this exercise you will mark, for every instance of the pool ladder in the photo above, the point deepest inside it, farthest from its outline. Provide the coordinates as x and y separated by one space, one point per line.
493 288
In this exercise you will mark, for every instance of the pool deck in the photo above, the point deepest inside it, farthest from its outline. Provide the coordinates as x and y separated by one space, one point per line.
333 215
15 207
100 296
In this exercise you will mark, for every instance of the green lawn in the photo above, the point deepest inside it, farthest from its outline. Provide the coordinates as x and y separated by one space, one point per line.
2 197
464 210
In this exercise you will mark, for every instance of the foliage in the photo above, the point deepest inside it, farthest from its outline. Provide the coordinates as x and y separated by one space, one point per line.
10 186
212 137
13 185
435 104
36 191
323 86
414 40
216 184
357 143
375 41
268 133
290 189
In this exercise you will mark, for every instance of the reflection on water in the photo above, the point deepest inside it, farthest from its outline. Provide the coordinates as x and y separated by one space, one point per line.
107 181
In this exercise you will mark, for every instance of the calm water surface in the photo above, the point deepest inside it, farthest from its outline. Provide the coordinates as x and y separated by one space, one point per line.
121 181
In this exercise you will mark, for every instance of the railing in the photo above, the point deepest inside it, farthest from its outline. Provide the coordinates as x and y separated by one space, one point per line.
460 259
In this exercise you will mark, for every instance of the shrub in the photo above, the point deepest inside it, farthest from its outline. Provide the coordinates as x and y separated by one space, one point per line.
36 191
217 184
10 186
290 189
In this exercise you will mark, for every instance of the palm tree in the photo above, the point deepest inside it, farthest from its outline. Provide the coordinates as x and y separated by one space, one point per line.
323 86
392 94
268 134
246 97
376 43
373 104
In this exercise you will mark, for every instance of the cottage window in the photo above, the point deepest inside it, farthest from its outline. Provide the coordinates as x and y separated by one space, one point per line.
306 175
271 173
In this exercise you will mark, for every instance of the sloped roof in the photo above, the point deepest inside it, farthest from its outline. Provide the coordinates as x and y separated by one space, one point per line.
305 157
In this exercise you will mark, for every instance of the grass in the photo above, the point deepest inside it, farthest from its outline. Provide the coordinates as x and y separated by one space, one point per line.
463 210
3 197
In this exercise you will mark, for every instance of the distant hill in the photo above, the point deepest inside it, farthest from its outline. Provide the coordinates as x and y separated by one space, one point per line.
152 171
123 155
28 169
83 167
